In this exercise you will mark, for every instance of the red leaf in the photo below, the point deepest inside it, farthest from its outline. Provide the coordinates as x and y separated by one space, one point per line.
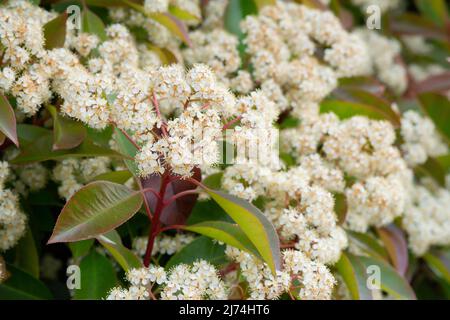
395 243
179 210
8 120
438 83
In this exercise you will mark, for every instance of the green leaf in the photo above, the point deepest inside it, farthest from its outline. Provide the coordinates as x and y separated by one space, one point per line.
254 224
391 282
439 262
100 137
97 277
165 55
127 148
235 12
173 25
433 169
42 150
8 120
67 133
55 32
28 133
201 248
347 109
169 21
119 177
207 210
80 248
435 10
95 209
368 244
125 257
213 181
354 274
340 207
366 98
225 232
93 24
23 286
262 3
437 107
26 255
182 14
444 161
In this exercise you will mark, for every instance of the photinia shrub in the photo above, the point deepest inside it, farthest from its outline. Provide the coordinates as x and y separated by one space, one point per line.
239 149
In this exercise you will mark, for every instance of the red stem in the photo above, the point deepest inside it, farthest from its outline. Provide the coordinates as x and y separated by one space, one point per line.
179 195
158 113
230 123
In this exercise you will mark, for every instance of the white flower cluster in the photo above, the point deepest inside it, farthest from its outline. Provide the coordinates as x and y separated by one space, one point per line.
302 211
421 140
300 276
216 48
73 173
384 52
164 244
22 38
12 219
427 218
183 282
191 139
282 42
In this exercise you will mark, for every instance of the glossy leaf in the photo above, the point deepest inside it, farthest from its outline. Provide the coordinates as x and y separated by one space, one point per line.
165 55
95 209
262 3
395 244
435 10
173 25
347 109
434 169
370 99
254 224
8 120
67 133
439 262
391 282
438 83
42 150
340 207
80 248
55 32
225 232
178 211
23 286
97 277
125 257
235 12
28 133
182 14
119 177
127 148
92 24
368 244
438 109
26 255
201 248
354 274
2 138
